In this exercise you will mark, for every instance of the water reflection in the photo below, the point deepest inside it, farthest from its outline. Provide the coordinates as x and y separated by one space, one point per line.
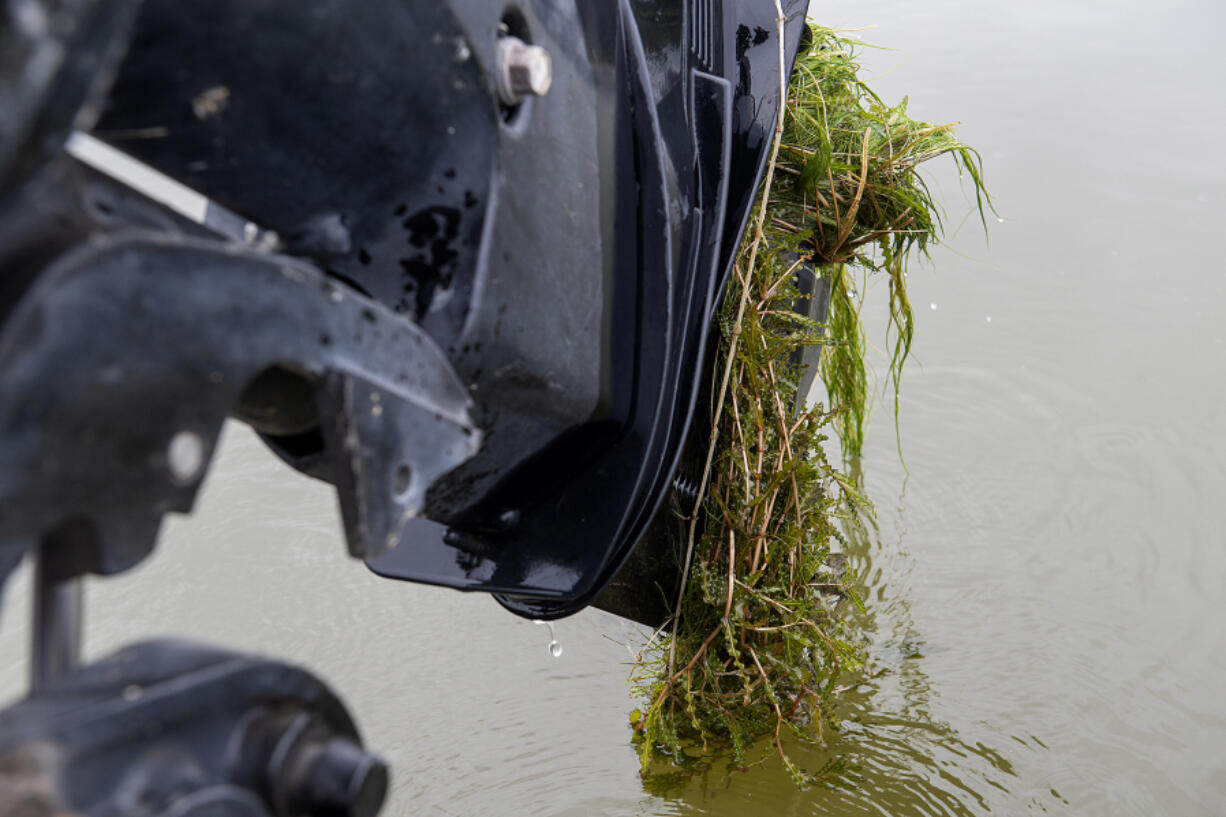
890 754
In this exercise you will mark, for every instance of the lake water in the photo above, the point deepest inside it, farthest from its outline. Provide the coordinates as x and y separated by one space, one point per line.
1047 586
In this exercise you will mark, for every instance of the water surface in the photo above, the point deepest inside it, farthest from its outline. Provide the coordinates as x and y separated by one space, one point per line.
1046 587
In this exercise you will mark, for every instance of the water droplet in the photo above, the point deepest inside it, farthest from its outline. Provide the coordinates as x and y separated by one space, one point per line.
1000 220
933 307
555 648
989 318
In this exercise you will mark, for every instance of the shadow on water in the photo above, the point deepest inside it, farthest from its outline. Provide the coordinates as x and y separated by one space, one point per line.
888 754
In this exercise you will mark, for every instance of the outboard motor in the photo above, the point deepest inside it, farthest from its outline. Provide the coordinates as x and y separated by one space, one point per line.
456 258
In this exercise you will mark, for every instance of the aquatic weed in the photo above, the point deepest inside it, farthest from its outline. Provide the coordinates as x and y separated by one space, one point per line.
757 643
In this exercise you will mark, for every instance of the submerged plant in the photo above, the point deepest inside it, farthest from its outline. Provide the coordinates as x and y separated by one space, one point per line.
757 643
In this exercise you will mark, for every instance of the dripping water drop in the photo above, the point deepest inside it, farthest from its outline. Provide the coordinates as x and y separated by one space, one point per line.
555 647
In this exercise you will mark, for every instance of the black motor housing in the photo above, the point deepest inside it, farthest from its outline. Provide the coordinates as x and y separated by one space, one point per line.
483 313
558 259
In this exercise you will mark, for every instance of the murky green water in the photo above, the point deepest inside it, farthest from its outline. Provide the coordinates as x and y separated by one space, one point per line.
1047 588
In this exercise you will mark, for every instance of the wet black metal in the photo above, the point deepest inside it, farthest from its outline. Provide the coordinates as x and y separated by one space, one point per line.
564 258
697 144
155 335
55 622
370 137
175 728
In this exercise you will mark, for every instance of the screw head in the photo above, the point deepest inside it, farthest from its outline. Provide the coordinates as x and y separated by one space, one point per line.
523 70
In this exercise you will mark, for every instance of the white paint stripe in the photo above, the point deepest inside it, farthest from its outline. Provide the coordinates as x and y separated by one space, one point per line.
137 175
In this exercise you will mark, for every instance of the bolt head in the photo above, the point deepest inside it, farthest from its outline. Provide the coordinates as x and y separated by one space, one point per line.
335 777
523 70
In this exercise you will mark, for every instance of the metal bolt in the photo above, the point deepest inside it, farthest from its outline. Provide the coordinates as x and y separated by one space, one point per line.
523 70
337 777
